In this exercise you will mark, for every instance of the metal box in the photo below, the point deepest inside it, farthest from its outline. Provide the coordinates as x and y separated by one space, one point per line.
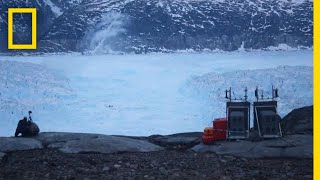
266 119
238 116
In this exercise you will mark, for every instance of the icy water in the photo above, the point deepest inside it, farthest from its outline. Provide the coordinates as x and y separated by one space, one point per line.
142 94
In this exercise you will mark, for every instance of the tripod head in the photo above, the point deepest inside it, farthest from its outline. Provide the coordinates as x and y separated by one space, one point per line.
30 112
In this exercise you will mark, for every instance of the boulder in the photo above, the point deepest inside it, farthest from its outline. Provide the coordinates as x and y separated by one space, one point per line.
298 121
8 144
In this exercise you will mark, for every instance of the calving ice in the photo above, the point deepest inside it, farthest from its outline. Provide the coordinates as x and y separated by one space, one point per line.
108 94
236 125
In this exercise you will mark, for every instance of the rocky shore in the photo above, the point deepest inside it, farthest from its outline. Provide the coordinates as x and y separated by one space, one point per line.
55 155
92 156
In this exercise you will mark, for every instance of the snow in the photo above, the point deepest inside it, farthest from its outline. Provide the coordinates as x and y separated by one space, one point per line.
143 94
284 47
55 9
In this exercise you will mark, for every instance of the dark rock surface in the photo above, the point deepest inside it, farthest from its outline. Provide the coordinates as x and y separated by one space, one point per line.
2 155
107 144
299 121
254 136
78 143
293 146
179 141
8 144
94 143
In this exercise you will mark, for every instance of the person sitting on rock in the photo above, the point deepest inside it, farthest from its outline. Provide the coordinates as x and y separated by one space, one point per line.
27 128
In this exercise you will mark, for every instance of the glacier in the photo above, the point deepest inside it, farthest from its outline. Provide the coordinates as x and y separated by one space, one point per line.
144 94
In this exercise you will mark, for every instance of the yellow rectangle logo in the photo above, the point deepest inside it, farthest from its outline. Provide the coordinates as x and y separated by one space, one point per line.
33 12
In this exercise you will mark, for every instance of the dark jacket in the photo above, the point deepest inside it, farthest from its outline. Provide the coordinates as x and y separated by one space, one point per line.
27 128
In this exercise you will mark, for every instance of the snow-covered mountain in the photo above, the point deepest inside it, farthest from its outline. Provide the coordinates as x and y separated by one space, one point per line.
140 26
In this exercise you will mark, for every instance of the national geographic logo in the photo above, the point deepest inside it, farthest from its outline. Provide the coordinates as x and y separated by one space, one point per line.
33 44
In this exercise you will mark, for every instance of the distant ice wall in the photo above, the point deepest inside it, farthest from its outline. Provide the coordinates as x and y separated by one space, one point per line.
295 84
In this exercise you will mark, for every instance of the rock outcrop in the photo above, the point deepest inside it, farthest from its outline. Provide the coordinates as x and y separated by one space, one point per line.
95 143
8 144
179 141
78 143
293 146
299 121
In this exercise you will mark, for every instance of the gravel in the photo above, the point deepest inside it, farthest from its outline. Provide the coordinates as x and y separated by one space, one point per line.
166 164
